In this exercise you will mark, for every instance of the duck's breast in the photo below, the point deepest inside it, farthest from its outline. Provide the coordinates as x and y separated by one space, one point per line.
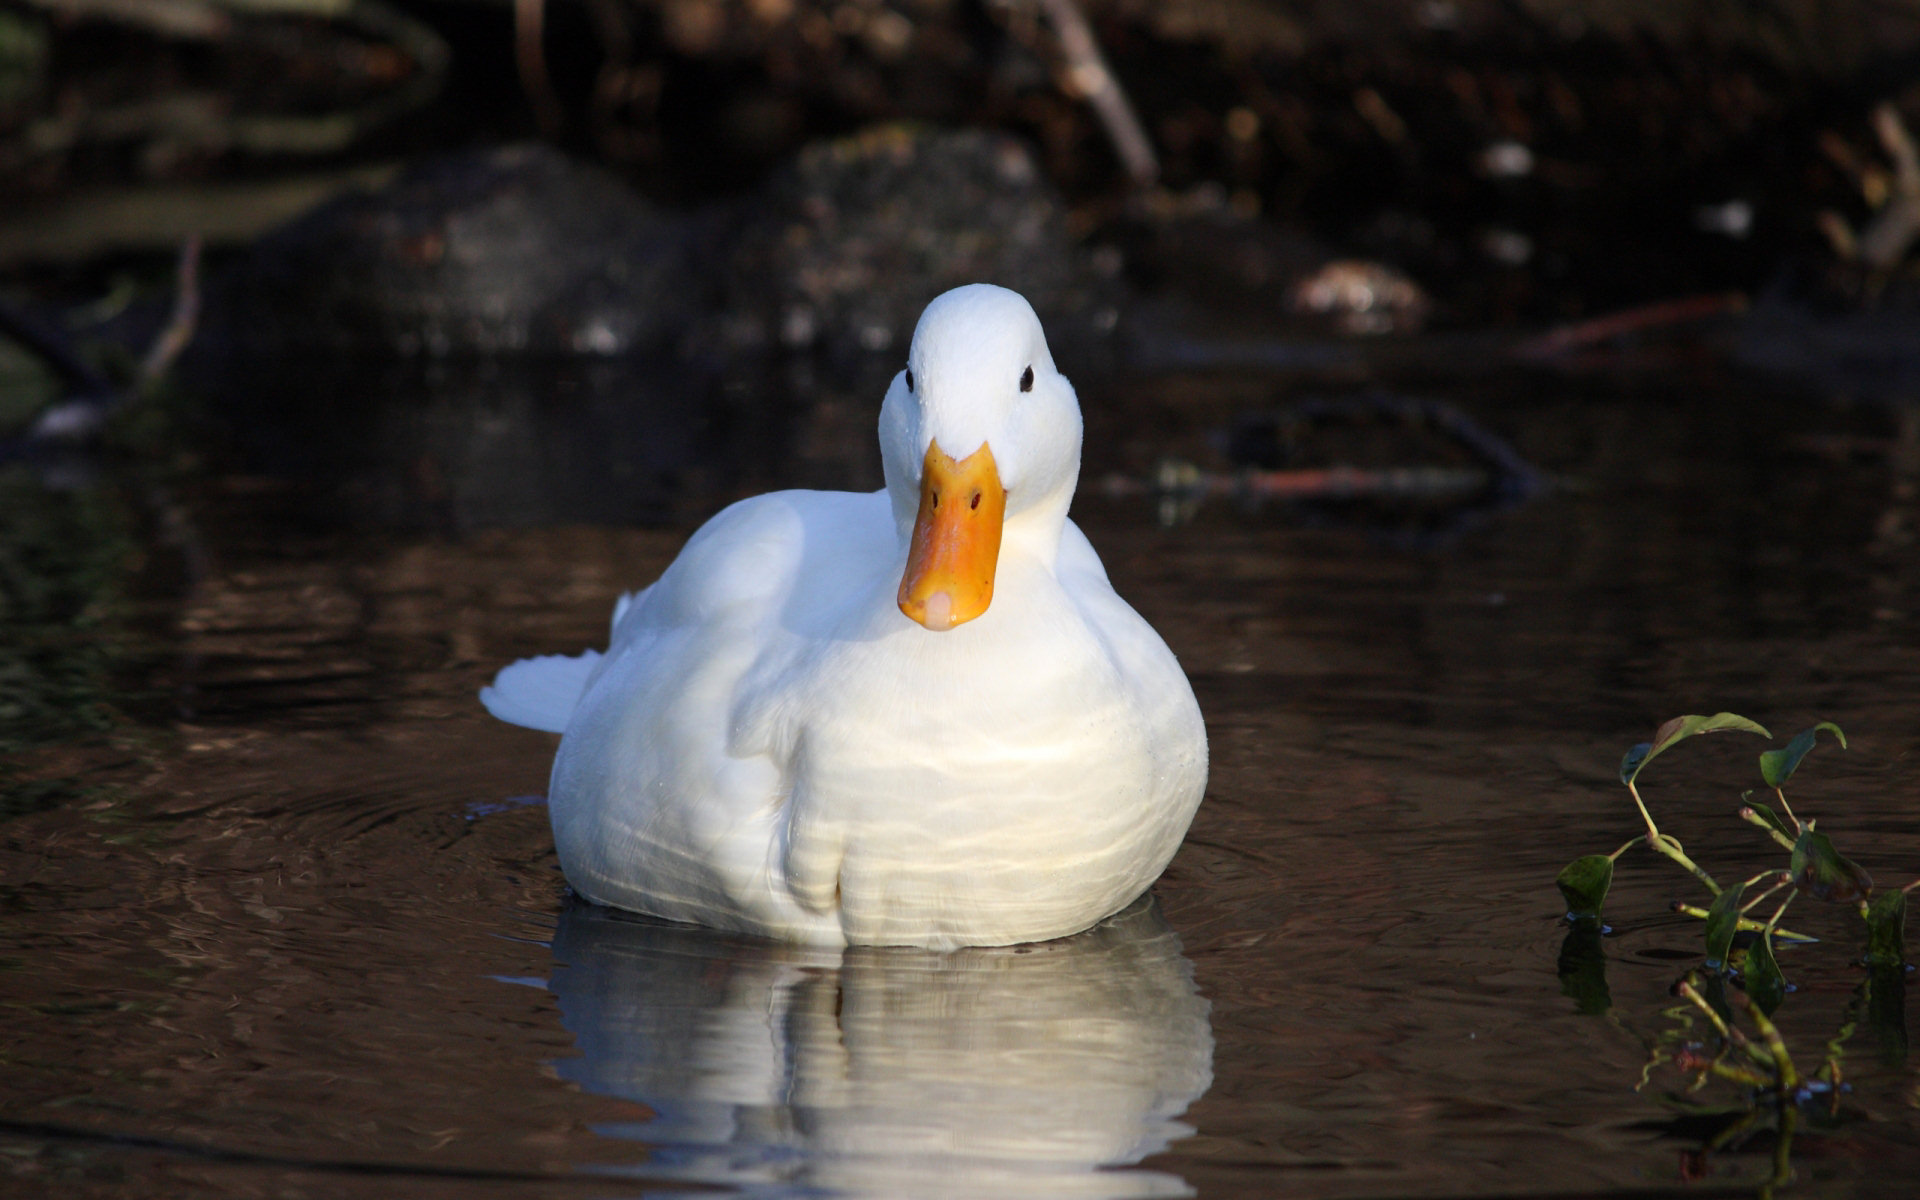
1013 779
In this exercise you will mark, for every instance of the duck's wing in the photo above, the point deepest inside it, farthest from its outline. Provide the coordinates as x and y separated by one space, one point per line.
669 788
756 561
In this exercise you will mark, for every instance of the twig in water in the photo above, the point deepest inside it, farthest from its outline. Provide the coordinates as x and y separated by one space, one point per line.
1088 71
91 396
530 56
1582 334
180 323
1886 239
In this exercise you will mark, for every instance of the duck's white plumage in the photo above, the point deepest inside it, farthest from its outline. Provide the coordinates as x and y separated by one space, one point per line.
770 745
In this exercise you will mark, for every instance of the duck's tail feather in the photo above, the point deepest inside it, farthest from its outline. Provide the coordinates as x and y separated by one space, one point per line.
540 693
625 602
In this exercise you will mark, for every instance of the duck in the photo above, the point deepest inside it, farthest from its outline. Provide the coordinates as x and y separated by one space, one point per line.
920 716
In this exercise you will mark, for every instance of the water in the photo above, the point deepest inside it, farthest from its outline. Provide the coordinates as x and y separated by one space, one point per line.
297 929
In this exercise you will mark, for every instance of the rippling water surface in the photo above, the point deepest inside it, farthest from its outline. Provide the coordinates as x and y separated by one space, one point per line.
298 929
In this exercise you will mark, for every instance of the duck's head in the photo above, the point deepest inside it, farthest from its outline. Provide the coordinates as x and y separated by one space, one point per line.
979 432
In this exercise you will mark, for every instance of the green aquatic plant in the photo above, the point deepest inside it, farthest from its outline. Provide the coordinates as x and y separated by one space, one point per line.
65 561
1722 1026
1815 867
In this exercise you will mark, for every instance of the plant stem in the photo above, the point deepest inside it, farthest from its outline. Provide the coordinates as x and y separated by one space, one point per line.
1734 1132
1776 1046
1782 1153
1773 922
1671 848
1636 841
1787 808
1686 989
1779 883
1740 1075
1663 844
1753 818
1729 1033
1747 924
1653 831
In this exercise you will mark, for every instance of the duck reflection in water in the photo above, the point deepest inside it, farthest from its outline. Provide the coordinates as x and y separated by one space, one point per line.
997 1071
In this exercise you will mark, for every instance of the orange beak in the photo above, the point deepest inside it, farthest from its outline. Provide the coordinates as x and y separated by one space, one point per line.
956 539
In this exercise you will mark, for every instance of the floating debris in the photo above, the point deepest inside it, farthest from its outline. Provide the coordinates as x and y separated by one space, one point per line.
1361 297
1486 475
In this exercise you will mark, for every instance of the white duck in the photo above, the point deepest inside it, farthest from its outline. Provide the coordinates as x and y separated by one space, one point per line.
919 716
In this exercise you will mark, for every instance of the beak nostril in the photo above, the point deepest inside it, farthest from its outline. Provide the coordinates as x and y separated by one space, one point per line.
976 501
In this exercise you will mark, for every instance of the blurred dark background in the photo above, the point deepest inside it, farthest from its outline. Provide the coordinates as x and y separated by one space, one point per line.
1525 160
457 263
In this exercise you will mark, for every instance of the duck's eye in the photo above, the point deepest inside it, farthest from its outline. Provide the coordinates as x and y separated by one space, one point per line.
1026 380
909 379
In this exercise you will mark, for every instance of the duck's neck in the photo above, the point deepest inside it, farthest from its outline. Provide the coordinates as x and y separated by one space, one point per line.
1035 531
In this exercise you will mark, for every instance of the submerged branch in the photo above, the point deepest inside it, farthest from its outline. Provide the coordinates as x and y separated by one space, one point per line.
530 59
1089 74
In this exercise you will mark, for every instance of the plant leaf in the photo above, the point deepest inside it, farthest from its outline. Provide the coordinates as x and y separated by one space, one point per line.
1583 969
1824 873
1583 884
1633 760
1887 929
1765 985
1778 766
1677 729
1723 919
1887 1012
1772 818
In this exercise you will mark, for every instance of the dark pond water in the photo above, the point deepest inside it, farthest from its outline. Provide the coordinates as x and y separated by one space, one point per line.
299 931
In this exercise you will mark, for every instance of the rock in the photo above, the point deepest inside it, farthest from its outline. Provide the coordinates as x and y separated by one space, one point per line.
519 250
846 245
493 339
405 350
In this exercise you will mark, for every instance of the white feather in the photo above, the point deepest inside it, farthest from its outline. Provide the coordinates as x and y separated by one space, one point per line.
541 693
626 601
770 745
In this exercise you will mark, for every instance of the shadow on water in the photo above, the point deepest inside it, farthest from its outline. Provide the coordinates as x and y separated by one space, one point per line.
469 443
1027 1070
